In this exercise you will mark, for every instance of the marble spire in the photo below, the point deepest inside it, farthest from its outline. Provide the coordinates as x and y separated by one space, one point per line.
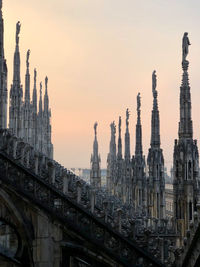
34 97
95 173
127 138
16 93
34 113
27 79
119 153
155 120
186 156
138 146
40 101
185 124
46 97
3 76
16 73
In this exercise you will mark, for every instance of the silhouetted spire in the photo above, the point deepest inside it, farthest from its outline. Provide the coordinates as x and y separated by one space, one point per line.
155 120
27 80
40 101
185 124
16 74
119 154
95 173
34 99
138 146
46 97
127 138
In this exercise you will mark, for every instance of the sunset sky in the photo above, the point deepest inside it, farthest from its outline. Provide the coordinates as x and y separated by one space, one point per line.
98 54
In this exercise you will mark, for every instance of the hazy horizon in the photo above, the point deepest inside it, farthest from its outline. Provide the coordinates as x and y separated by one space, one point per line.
98 55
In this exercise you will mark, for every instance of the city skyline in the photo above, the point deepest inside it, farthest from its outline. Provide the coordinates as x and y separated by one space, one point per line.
100 67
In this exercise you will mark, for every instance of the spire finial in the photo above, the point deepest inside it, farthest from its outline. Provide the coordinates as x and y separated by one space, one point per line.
27 58
113 128
95 128
18 27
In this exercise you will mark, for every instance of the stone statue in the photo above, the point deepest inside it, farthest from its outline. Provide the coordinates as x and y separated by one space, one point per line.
46 81
120 124
95 128
27 58
138 102
127 117
154 81
18 27
0 4
35 75
185 46
113 128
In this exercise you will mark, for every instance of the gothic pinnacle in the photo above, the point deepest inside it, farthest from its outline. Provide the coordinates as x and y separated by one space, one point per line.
138 147
46 85
119 155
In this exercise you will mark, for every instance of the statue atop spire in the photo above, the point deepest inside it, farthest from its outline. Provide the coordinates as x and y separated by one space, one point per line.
18 27
95 128
120 125
46 83
127 117
138 102
35 76
154 84
0 4
27 58
113 129
185 46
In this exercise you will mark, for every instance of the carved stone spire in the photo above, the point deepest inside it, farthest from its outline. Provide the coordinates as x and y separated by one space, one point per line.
27 79
46 97
127 138
186 157
111 160
16 74
185 124
16 93
95 173
119 154
138 146
34 99
34 113
40 101
3 76
155 120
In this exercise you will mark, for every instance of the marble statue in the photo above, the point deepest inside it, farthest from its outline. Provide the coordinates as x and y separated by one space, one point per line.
18 27
46 81
185 46
27 58
95 128
127 117
138 102
154 80
35 76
